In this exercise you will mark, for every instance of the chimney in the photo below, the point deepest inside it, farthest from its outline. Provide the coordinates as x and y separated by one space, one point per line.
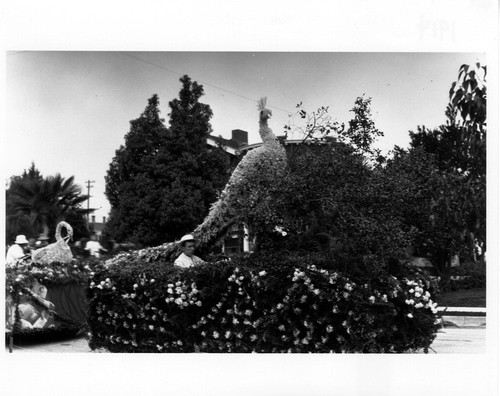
239 136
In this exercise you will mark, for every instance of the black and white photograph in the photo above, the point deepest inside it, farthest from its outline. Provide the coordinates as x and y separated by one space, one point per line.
207 209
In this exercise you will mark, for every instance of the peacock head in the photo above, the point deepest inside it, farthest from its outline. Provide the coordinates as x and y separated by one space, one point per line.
265 114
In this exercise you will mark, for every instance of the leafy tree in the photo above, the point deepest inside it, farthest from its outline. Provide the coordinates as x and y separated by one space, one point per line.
366 214
362 132
161 182
336 201
460 146
35 204
430 200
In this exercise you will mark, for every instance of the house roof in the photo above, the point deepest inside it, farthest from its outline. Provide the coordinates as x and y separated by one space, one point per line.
230 145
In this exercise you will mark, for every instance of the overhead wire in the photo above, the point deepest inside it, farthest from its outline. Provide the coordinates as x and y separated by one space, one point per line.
181 74
203 82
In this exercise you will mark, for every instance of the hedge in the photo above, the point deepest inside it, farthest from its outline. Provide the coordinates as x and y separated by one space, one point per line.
467 276
256 304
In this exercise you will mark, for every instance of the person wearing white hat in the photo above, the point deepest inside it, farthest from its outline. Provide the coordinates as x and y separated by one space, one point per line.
187 258
16 251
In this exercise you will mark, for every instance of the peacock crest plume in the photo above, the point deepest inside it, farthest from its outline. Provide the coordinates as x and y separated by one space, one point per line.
265 132
261 104
245 199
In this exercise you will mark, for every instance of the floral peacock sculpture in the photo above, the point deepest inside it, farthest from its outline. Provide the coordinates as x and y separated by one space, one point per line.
245 199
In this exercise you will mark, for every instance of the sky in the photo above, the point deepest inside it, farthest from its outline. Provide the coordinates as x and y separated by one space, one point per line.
70 110
72 81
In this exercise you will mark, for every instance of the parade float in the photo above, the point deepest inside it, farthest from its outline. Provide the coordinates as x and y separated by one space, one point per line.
269 301
45 293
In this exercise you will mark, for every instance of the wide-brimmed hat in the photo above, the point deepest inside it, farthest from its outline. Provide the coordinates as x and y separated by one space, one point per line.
186 238
20 239
43 237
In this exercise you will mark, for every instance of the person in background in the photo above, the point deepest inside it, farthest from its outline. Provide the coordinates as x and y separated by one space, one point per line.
187 258
17 251
42 241
94 247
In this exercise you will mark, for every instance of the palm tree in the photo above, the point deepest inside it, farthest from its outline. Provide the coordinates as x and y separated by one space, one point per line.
36 205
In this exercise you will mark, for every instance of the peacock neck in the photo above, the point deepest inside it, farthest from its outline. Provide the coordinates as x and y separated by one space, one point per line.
267 135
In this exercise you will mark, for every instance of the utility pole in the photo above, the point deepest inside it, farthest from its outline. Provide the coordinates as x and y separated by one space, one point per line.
89 186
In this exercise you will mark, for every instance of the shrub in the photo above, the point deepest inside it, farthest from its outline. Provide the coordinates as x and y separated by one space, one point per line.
467 276
256 304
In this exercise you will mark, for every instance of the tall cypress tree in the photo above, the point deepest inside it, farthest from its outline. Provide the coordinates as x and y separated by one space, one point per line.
162 181
196 171
131 187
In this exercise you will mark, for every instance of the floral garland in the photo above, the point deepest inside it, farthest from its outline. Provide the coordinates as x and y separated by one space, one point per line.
251 310
54 273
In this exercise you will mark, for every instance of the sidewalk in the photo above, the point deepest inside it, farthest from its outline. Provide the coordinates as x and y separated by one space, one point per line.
448 340
459 340
463 317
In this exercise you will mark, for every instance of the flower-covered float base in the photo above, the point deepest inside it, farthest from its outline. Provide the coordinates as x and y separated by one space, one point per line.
248 305
46 300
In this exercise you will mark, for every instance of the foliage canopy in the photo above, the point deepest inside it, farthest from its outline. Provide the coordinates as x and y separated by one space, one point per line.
162 180
35 204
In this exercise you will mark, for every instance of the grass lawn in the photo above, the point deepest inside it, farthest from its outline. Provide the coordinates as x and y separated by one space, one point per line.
463 298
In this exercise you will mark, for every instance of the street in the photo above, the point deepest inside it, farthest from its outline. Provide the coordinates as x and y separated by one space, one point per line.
448 340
